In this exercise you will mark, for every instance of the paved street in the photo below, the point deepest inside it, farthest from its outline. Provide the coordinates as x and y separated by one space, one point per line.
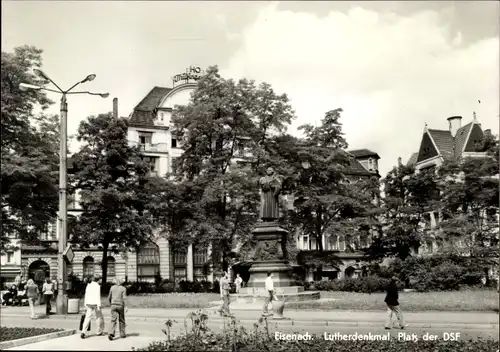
424 319
145 325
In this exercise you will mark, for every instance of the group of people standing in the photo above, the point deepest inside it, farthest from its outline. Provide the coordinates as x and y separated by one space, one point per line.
93 310
49 290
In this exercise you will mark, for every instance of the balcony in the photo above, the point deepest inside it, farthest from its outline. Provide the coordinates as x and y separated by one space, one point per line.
150 147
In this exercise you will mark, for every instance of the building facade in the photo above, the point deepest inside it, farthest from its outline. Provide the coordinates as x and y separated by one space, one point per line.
436 146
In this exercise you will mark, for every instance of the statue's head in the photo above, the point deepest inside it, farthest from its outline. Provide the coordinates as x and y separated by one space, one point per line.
270 171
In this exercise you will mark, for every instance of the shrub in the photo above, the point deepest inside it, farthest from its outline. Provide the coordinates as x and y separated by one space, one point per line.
439 272
367 284
168 286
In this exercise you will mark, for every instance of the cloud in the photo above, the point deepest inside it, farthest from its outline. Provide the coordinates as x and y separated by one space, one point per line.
390 73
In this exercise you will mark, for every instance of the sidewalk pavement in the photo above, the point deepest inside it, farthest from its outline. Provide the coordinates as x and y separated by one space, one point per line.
299 317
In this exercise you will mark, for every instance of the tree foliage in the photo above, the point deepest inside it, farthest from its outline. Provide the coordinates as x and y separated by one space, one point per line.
325 203
114 184
408 196
29 149
470 193
220 196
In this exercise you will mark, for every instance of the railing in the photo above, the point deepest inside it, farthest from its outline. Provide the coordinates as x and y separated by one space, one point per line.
150 147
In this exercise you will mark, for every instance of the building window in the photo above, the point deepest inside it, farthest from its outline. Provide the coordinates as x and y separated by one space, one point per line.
148 262
342 243
180 264
332 242
111 267
240 149
199 261
305 242
174 143
145 137
370 164
88 267
10 257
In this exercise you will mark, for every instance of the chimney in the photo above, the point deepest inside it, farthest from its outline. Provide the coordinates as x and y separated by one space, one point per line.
400 161
455 122
115 108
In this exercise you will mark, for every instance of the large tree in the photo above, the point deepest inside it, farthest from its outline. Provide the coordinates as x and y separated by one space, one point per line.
470 193
222 123
408 197
29 150
114 184
325 203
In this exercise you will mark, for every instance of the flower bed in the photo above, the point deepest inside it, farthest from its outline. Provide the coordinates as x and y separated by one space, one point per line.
9 334
236 338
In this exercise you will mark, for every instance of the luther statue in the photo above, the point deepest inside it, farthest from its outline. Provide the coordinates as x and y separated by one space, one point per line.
269 201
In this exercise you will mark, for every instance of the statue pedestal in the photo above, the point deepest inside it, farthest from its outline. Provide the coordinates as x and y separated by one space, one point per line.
271 235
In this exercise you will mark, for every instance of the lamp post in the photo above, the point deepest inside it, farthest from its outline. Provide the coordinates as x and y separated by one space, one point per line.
63 220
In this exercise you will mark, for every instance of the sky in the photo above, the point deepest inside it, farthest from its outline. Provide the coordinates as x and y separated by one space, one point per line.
391 66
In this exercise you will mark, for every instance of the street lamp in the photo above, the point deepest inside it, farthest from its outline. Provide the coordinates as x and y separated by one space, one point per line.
63 219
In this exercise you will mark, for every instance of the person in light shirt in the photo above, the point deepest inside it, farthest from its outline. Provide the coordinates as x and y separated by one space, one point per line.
238 281
270 291
93 307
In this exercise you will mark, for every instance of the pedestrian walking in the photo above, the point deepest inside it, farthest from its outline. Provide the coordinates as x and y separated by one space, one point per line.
47 291
117 296
32 294
238 281
269 283
93 307
391 299
224 293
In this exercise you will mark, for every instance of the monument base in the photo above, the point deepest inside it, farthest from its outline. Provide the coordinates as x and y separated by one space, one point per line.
288 295
279 268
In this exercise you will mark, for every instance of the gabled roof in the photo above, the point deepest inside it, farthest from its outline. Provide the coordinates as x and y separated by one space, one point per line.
360 153
355 168
461 137
143 114
413 159
449 146
444 141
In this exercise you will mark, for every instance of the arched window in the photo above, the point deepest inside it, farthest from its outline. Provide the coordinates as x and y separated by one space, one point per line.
148 262
88 266
332 242
111 267
342 243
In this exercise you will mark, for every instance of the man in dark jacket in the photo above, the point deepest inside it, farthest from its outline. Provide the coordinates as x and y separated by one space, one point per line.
391 299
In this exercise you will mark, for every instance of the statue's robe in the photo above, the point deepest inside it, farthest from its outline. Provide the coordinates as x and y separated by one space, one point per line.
269 201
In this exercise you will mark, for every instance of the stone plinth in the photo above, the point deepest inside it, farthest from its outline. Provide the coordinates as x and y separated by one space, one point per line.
269 235
259 298
258 273
278 290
